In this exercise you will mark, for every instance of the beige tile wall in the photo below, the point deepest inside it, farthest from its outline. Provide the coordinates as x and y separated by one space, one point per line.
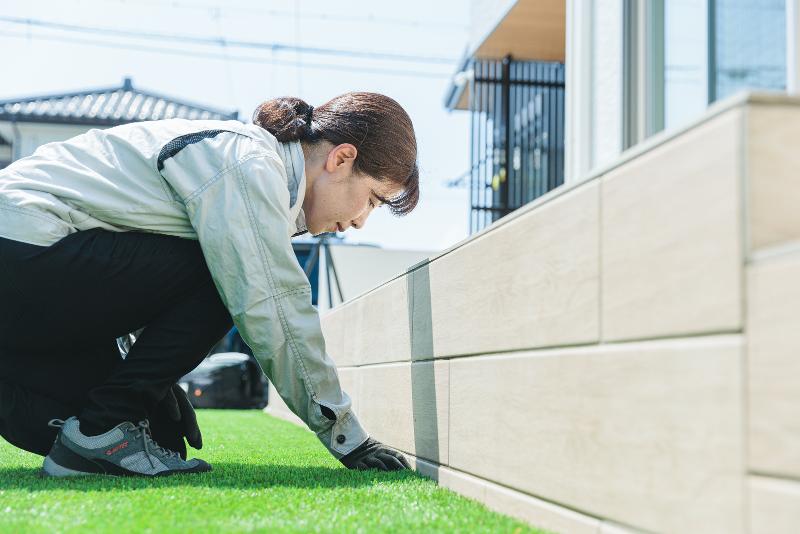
543 514
384 313
408 406
525 285
774 505
772 164
624 356
514 293
773 363
647 434
671 237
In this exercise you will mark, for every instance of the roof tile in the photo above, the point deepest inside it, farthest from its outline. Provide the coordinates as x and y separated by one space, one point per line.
105 107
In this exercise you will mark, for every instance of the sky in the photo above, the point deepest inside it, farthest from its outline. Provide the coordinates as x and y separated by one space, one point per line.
344 46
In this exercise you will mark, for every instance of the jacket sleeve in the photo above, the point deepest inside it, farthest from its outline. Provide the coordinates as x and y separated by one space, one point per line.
241 217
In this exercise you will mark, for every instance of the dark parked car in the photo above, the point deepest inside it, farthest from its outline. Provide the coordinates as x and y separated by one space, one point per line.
229 377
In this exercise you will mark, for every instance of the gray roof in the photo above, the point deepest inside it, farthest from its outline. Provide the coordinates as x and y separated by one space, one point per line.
105 107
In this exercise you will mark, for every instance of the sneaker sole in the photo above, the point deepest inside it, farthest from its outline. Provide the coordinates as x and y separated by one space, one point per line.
63 462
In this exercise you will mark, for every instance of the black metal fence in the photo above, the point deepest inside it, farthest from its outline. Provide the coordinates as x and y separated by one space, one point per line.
517 135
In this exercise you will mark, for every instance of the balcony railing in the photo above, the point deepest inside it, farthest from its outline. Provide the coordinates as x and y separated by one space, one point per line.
517 135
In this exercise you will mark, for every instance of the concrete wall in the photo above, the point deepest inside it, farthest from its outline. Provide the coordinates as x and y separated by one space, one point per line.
619 355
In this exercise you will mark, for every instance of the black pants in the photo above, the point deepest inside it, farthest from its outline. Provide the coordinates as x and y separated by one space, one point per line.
62 308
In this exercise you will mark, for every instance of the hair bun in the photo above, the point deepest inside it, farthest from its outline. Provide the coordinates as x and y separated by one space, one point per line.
287 118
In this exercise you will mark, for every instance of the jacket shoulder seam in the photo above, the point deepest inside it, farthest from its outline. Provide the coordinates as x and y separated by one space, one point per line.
233 166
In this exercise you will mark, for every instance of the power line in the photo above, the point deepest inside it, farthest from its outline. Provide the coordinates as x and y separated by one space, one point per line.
228 74
245 59
299 58
303 15
220 41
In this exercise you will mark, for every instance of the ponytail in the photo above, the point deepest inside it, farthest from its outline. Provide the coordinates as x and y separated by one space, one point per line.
287 118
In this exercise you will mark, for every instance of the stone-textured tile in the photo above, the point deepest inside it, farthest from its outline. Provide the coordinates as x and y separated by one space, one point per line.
350 381
333 324
671 242
407 406
644 434
773 160
774 506
376 326
773 360
530 283
538 513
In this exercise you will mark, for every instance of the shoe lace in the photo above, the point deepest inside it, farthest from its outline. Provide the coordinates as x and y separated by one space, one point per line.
143 430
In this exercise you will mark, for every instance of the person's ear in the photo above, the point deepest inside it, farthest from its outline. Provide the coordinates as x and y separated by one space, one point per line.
341 157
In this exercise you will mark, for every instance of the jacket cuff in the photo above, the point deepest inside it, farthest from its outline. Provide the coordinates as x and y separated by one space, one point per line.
345 435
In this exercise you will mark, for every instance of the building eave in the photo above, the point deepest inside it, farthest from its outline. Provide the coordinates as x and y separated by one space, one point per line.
527 30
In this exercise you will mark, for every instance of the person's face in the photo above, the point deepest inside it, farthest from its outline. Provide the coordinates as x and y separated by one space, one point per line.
338 199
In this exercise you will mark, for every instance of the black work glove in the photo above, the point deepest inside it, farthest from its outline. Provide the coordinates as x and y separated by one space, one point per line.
375 455
179 409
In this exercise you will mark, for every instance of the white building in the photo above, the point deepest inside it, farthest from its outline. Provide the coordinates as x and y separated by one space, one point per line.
631 69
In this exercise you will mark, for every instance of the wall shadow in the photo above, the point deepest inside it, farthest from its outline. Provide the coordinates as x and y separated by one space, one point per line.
423 377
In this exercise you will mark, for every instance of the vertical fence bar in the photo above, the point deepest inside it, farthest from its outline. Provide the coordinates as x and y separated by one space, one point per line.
540 108
537 178
491 105
473 123
560 133
512 144
486 140
516 149
528 134
483 144
534 134
525 126
550 120
495 141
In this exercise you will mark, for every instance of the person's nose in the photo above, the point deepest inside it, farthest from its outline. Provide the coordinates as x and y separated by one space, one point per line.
361 220
358 223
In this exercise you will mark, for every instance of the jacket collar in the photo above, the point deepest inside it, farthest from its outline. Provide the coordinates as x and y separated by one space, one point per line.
292 155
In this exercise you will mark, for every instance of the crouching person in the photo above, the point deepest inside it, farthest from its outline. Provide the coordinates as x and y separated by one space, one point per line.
183 229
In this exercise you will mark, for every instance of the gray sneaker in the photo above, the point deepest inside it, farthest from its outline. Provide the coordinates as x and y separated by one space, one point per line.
125 450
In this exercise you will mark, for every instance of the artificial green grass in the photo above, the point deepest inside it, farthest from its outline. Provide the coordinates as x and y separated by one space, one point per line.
268 475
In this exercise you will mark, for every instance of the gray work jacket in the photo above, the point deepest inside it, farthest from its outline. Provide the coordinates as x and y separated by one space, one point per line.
238 191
